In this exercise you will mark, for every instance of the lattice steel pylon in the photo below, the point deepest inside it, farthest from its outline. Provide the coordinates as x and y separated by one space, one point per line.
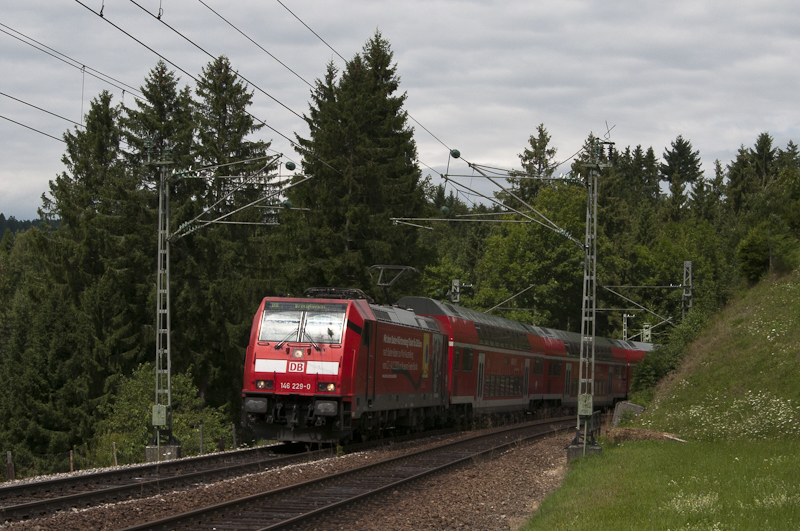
589 301
686 300
162 408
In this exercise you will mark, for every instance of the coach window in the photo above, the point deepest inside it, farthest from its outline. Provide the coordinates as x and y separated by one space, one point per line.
481 333
466 366
455 358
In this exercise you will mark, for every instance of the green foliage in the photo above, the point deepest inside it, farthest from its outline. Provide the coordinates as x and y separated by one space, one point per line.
128 419
665 357
739 382
362 155
520 255
642 397
538 162
753 254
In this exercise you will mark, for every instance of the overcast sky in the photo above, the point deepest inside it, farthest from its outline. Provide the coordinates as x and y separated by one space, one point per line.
479 75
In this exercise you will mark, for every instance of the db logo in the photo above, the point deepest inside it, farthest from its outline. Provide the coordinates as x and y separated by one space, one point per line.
297 366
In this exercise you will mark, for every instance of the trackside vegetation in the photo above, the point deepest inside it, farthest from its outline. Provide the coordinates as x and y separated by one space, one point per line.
735 399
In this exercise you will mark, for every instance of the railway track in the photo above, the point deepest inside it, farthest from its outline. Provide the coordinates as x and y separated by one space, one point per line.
286 507
34 499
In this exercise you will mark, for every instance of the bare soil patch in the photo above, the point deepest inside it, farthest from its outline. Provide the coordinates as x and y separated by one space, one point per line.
618 435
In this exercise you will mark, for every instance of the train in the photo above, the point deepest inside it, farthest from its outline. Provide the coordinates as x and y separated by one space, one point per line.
333 366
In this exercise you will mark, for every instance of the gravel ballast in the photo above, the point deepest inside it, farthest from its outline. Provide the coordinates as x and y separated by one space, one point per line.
485 495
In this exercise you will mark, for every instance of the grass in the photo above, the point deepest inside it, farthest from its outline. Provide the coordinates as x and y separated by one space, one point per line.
736 399
672 486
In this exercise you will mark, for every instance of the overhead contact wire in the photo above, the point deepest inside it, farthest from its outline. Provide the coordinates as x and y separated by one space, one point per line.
40 109
137 40
345 60
190 41
254 42
77 64
32 129
311 30
259 120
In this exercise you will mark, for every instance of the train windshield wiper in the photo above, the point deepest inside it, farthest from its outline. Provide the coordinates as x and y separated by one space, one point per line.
310 339
285 339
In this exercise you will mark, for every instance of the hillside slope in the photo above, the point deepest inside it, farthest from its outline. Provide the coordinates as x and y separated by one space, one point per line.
741 378
736 398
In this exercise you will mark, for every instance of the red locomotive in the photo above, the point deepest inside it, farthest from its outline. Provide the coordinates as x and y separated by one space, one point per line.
334 366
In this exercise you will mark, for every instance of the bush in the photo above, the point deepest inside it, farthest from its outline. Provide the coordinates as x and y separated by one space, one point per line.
128 419
767 247
663 359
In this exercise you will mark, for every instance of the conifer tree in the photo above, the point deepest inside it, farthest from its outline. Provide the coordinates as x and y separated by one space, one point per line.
78 325
163 116
362 155
538 162
224 124
680 163
214 280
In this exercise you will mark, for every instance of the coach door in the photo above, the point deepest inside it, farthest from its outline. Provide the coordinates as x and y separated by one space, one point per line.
481 363
567 379
526 382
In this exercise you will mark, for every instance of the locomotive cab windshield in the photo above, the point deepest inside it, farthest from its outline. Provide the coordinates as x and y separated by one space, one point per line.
313 323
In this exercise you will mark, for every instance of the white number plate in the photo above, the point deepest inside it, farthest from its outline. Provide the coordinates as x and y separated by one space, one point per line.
296 386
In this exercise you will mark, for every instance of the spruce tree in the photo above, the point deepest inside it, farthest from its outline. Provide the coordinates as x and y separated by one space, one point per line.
538 162
163 116
216 282
223 126
680 163
77 324
362 155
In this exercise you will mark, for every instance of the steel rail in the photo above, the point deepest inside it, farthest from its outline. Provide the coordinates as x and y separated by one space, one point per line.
338 490
135 482
21 501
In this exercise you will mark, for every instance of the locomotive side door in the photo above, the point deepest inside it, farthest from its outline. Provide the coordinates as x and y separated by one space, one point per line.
370 337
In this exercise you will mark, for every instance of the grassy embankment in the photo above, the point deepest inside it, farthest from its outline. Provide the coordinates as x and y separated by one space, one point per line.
736 399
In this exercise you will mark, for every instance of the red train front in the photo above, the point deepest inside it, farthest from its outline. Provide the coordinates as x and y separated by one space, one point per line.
328 368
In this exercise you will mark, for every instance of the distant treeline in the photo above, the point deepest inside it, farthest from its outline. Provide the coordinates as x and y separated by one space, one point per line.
16 225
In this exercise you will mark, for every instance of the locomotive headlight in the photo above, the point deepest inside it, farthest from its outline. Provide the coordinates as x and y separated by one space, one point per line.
264 384
297 353
326 386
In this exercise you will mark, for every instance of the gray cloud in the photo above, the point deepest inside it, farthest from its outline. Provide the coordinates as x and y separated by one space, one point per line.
479 75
